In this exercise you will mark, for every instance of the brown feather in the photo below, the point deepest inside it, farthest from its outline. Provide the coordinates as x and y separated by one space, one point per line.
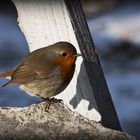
44 64
7 73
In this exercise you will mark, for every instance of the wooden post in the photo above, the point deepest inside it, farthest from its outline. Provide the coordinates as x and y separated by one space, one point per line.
92 64
45 22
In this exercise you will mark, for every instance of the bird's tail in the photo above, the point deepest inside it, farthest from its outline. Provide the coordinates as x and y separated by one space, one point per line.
7 73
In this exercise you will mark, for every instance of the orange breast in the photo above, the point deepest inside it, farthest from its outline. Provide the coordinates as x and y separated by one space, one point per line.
67 66
67 73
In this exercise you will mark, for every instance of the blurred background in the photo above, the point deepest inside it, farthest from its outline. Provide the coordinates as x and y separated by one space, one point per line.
13 47
115 28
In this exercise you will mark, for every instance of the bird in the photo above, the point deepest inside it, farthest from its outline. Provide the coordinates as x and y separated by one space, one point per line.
45 72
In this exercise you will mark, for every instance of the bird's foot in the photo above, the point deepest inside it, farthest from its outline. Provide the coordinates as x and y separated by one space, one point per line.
50 101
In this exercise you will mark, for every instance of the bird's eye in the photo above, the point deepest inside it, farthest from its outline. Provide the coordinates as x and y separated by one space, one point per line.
64 54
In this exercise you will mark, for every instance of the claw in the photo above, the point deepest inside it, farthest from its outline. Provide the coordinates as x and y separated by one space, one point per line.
54 100
50 101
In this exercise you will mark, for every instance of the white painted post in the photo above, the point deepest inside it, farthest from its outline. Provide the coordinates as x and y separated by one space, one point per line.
45 22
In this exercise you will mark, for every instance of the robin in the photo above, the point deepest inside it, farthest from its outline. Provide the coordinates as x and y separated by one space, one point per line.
45 72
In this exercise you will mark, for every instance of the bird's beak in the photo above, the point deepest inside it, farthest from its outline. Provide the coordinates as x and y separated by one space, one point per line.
77 55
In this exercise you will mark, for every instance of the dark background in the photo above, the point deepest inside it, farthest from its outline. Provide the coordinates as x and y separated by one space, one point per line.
115 28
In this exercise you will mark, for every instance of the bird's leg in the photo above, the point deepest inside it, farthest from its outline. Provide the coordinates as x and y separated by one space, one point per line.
50 101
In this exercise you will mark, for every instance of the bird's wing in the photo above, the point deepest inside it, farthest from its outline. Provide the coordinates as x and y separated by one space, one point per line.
26 73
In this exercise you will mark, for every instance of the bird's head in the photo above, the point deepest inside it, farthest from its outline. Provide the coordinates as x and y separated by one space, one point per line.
64 53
